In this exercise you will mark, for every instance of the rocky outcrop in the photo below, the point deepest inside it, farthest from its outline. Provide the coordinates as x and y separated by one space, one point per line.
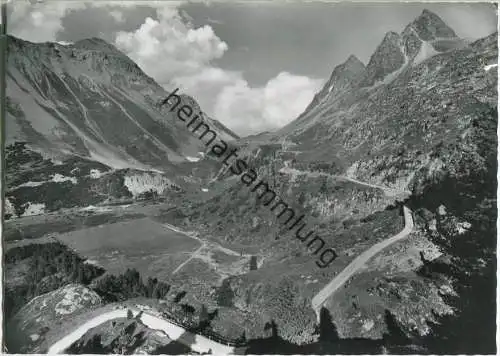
28 327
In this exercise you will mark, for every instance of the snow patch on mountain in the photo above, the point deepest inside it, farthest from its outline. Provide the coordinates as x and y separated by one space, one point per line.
95 174
30 184
57 178
490 66
192 159
426 51
141 183
34 209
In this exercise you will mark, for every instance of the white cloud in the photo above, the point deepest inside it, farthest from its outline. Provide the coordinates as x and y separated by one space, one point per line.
168 47
251 110
117 16
228 97
39 22
176 54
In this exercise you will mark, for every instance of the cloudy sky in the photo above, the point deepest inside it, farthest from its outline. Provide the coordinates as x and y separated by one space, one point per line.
253 66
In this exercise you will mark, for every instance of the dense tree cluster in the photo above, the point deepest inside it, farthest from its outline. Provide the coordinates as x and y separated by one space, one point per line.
130 285
253 263
50 266
225 294
148 195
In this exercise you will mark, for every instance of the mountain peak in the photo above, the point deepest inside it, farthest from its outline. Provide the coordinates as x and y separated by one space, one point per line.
426 27
353 61
95 44
387 58
344 76
430 26
391 36
93 39
427 12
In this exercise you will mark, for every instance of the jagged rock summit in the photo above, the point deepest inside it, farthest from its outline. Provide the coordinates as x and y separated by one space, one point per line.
410 81
343 77
424 37
388 57
430 26
421 39
345 74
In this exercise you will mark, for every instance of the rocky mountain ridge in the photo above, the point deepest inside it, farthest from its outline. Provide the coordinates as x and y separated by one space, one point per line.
421 116
415 84
424 109
90 100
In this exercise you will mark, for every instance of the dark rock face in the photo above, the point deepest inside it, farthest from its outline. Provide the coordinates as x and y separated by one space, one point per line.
429 26
388 57
344 77
411 41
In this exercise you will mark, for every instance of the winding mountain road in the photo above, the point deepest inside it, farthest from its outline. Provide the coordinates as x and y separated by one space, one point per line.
390 192
195 342
339 280
199 343
353 267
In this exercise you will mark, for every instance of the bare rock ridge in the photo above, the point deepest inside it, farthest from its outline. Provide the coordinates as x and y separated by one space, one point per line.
422 38
89 99
388 57
396 50
343 77
409 82
96 44
430 26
